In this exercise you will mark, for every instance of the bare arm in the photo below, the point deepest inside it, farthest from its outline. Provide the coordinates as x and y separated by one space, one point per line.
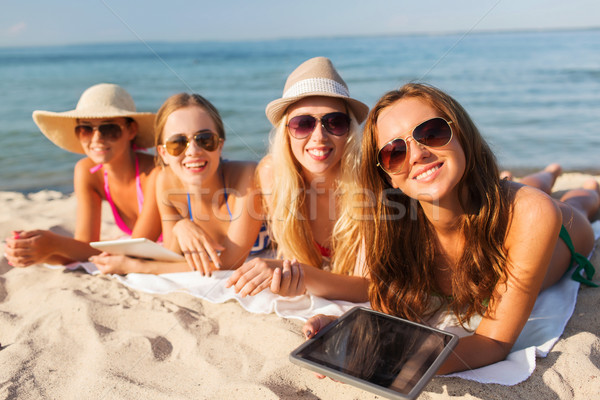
530 243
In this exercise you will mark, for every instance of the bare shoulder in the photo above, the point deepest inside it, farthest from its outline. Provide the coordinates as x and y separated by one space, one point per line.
147 163
264 173
166 179
82 174
532 209
239 175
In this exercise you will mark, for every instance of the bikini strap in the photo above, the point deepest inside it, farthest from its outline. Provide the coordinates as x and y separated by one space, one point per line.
118 220
138 184
582 262
224 194
190 207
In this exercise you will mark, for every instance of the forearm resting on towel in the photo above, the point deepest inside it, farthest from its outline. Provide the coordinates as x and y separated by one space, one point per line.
336 286
473 352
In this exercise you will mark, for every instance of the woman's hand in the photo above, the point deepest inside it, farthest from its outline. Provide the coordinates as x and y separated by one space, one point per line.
197 247
288 280
116 264
313 326
25 248
285 278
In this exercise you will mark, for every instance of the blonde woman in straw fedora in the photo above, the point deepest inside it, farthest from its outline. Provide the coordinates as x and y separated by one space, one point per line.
206 204
107 129
310 163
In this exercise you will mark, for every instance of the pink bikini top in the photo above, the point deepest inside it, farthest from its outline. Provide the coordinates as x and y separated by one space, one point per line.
140 196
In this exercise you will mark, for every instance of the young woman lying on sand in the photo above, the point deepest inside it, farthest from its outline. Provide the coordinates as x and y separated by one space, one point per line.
206 204
106 128
311 161
449 235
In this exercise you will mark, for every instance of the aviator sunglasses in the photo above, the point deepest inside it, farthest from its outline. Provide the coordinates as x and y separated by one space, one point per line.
110 132
177 144
435 132
302 126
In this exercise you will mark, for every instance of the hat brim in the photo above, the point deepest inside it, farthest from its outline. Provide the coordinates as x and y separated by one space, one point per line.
277 108
59 128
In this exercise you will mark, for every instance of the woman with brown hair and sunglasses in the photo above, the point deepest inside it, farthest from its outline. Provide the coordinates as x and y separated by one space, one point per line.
447 235
206 204
107 129
304 178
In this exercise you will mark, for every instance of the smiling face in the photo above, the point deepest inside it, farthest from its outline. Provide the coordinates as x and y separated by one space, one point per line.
195 165
102 148
428 174
319 154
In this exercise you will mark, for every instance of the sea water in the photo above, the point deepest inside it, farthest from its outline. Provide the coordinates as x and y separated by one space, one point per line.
534 95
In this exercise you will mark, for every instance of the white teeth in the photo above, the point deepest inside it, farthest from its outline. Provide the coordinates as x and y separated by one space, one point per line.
318 153
195 165
427 173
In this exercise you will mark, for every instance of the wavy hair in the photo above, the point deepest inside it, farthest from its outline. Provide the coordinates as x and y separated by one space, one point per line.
401 241
288 213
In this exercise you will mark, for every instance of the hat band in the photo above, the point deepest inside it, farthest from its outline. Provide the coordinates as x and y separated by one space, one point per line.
316 85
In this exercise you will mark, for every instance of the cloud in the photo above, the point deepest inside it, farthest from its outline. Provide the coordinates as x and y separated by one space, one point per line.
17 28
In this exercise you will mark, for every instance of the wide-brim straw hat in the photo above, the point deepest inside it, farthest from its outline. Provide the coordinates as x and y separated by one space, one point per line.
314 77
105 100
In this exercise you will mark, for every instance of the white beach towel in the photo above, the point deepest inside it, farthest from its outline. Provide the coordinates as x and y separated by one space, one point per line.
213 289
551 312
546 323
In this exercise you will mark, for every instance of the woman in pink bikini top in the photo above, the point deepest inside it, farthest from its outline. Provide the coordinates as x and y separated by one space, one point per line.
107 129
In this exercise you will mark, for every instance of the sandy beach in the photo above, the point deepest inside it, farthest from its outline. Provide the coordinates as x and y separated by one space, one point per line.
70 335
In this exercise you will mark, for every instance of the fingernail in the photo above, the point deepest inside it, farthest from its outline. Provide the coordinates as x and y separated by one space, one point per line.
16 235
308 333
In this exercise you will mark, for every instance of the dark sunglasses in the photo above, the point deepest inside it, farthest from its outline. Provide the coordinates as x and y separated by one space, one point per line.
177 144
107 131
435 132
336 123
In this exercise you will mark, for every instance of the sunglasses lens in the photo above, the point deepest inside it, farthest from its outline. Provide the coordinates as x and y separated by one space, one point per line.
107 131
176 145
84 130
302 126
433 133
207 140
336 123
392 155
110 131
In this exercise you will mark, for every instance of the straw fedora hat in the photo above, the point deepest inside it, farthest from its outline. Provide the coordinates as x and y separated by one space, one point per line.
105 100
314 77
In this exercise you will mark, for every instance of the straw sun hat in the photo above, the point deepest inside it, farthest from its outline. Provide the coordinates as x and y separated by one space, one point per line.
105 100
314 77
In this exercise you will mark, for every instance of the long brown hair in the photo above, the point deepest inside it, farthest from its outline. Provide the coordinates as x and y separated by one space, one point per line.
400 239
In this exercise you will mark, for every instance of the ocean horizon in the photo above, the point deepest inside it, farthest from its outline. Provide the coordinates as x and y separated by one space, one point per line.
535 95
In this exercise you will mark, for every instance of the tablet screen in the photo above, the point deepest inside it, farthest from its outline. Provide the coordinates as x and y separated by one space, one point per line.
378 350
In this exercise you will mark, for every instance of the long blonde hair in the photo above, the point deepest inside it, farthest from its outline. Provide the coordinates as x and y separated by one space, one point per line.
288 212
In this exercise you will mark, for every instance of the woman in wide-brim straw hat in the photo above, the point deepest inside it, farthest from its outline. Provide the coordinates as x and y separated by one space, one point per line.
311 160
106 127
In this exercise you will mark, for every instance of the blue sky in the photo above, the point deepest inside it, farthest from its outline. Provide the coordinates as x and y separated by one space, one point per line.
52 22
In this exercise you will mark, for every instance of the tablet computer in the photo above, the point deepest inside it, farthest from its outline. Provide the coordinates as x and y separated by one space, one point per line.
377 352
140 248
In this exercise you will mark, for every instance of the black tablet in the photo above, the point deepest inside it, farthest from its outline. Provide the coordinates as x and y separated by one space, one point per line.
377 352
